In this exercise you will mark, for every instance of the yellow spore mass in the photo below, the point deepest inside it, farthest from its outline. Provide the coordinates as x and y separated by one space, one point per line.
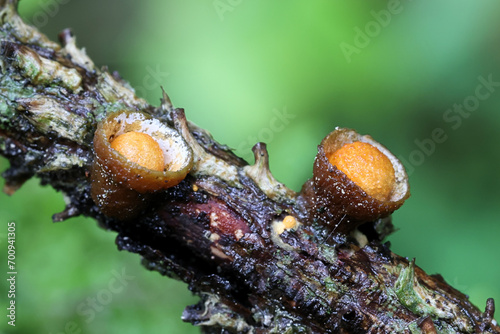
289 222
366 166
140 148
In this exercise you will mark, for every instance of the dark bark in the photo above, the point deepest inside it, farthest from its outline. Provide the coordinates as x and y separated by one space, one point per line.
218 230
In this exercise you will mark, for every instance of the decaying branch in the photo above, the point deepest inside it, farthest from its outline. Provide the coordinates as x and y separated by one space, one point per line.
262 258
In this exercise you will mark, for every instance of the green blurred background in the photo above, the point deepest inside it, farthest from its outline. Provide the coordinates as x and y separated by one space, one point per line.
283 72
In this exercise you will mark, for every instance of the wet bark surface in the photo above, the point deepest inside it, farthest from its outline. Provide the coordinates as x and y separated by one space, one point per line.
220 230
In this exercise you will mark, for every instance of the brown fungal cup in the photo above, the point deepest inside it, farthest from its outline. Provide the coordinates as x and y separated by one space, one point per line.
121 182
355 180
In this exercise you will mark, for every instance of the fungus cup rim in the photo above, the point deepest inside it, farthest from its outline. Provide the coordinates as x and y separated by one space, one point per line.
131 174
342 136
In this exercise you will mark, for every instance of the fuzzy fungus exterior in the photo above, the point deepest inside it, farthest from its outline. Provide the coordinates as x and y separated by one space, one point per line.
355 180
121 181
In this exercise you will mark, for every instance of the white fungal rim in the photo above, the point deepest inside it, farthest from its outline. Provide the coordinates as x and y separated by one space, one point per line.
175 150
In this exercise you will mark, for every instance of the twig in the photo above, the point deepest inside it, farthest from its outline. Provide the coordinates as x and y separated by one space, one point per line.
263 258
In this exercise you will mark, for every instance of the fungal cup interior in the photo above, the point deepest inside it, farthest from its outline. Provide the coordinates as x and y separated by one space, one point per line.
340 137
172 144
177 154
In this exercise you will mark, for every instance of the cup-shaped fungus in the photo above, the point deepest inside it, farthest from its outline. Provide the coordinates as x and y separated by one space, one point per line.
135 155
355 180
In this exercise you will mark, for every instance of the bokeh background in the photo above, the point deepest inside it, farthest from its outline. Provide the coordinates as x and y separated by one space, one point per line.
287 73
